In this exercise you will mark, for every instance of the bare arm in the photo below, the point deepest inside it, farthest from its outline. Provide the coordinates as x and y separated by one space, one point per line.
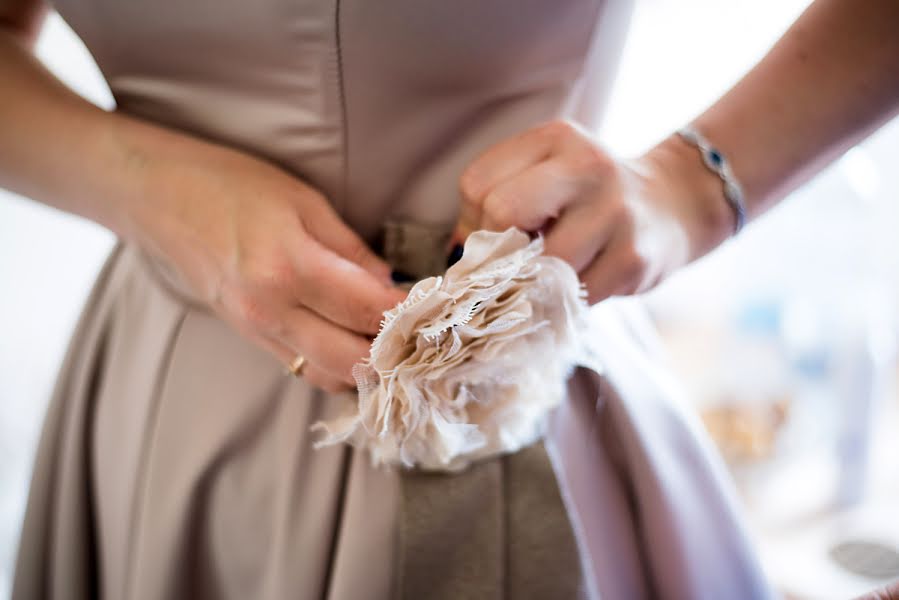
263 249
831 80
625 225
54 143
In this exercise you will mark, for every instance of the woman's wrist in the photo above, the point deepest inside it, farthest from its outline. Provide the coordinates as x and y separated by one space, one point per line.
695 193
127 165
157 176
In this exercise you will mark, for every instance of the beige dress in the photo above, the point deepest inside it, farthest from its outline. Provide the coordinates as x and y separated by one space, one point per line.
176 459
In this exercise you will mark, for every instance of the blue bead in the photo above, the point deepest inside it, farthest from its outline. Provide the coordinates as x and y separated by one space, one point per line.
715 157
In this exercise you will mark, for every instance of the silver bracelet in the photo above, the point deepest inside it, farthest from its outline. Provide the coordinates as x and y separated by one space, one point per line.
715 161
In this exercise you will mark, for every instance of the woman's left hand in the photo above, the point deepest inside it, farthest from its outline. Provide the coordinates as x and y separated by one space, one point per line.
623 225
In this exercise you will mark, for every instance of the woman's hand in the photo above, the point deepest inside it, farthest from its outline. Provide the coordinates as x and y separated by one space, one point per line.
261 248
623 226
270 256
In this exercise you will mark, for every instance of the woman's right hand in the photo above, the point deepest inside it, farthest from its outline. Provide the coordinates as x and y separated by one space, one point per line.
270 256
265 251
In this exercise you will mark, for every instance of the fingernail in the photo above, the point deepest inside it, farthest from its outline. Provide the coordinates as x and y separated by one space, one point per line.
401 277
454 255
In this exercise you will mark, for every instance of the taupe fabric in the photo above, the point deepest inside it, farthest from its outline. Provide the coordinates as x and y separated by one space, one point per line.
494 532
176 459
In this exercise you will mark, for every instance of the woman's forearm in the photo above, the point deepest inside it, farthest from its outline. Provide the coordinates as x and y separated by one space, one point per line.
52 145
263 250
832 79
61 150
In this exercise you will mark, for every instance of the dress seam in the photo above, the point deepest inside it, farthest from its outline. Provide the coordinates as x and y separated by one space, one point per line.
344 129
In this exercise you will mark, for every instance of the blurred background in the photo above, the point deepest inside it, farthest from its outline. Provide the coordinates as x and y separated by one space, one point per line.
785 339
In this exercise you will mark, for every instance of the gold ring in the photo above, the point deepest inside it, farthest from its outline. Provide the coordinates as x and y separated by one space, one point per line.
295 368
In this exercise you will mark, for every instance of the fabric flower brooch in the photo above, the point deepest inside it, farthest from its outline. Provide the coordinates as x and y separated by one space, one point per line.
470 364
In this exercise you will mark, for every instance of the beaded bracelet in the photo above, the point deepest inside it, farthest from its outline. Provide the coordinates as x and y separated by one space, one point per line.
716 163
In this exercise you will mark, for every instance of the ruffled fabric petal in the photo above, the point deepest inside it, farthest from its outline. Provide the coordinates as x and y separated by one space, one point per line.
471 363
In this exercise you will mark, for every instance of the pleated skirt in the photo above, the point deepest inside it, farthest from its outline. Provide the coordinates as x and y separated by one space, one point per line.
176 462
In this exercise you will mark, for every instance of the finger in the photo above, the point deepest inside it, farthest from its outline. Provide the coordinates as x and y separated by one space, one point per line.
529 200
467 223
310 372
342 291
497 164
322 379
580 233
325 345
325 225
615 271
508 158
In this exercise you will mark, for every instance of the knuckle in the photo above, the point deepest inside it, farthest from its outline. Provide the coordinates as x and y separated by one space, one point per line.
500 210
250 309
357 252
556 129
279 274
469 185
259 272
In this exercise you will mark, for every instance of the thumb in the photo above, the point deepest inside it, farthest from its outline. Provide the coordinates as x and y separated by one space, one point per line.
333 233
